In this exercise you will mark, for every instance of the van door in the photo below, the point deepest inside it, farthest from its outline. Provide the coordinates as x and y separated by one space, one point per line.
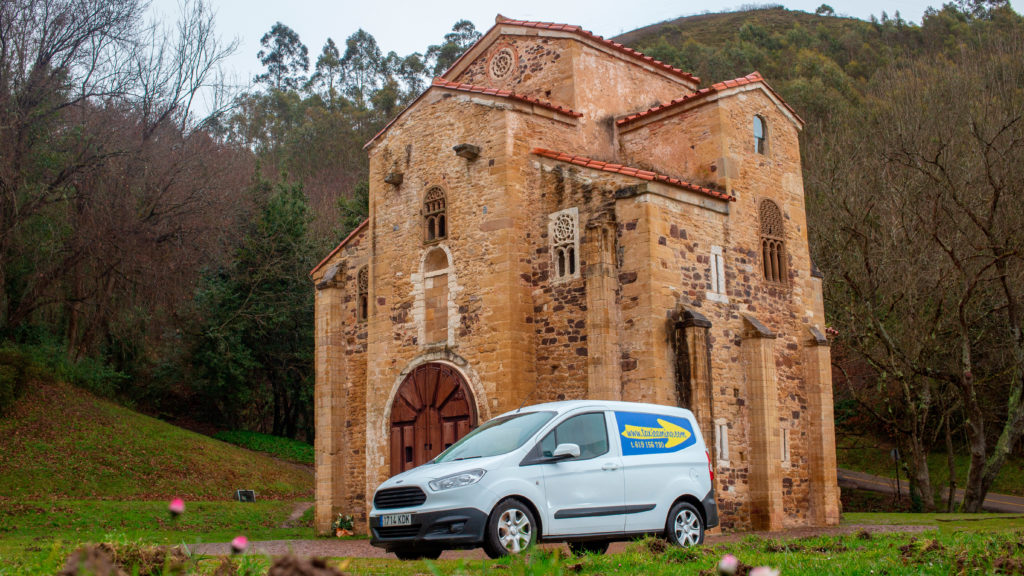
584 494
658 457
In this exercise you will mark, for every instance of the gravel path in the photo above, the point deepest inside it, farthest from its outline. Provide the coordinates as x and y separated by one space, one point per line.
361 548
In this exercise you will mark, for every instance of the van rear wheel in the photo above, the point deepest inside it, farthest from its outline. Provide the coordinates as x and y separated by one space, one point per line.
685 526
510 529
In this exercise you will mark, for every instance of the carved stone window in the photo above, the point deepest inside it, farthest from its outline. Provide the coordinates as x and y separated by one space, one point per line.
760 135
784 446
363 298
503 61
716 275
773 243
563 233
722 441
435 219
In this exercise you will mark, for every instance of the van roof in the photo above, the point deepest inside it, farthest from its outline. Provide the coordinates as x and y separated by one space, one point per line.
569 405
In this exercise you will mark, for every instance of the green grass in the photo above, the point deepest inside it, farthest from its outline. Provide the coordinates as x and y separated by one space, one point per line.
864 454
35 538
34 533
60 442
274 445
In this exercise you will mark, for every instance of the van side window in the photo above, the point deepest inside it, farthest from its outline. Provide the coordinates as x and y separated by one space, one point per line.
588 431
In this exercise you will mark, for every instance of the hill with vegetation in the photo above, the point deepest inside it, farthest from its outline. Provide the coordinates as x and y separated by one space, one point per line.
61 442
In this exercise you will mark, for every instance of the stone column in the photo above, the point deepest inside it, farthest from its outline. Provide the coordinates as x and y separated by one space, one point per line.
694 366
603 367
758 351
329 405
824 505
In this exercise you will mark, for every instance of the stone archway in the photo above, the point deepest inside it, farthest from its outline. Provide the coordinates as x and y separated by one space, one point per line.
432 409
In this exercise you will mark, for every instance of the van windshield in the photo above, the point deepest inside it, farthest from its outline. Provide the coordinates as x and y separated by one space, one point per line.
498 436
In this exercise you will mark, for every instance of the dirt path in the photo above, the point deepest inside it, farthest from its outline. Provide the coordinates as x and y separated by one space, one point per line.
331 548
993 502
297 512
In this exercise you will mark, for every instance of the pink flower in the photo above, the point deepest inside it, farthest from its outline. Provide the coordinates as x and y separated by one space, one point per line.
764 571
176 507
727 565
239 544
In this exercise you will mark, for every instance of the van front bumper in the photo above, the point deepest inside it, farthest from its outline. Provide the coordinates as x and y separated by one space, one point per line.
457 528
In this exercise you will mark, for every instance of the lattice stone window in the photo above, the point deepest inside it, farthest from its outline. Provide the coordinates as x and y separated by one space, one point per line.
503 61
435 219
363 298
773 243
563 234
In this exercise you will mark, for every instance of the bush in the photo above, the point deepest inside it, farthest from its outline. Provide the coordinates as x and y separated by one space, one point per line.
275 445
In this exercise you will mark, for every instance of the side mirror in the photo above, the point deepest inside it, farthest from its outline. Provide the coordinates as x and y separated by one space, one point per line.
565 451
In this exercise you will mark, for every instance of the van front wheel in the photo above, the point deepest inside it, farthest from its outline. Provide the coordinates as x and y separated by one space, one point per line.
510 529
685 527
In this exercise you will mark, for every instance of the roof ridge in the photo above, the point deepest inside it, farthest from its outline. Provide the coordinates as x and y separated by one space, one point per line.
630 171
752 78
341 244
575 29
488 91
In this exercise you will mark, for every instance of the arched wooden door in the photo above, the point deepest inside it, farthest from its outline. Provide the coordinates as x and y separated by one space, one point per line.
432 409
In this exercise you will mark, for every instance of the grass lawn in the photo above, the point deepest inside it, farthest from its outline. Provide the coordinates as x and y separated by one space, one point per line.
31 532
865 454
36 537
62 442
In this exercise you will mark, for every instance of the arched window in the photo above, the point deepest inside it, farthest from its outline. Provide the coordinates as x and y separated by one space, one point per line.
773 243
760 135
434 216
565 241
363 298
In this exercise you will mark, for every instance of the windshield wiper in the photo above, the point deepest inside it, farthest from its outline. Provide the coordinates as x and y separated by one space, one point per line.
464 458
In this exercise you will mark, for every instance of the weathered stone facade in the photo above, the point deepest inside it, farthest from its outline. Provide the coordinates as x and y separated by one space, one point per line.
591 246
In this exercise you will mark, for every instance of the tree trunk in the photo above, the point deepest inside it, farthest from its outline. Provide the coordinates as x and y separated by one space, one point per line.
974 491
951 462
922 483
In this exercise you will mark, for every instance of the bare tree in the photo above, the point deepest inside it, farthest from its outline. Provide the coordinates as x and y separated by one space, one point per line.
924 243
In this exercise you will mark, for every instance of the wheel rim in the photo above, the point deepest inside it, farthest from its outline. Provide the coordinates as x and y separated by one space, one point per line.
514 530
687 528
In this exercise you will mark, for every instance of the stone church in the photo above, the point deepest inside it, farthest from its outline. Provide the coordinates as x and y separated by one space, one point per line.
559 217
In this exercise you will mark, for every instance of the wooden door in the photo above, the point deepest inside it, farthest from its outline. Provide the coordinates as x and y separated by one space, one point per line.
432 409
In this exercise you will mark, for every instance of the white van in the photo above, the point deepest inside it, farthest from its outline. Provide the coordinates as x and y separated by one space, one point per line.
584 472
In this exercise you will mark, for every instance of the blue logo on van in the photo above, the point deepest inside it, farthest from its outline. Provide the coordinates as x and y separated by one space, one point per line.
653 433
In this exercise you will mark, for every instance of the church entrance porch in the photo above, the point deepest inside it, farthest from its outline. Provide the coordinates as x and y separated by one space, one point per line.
432 409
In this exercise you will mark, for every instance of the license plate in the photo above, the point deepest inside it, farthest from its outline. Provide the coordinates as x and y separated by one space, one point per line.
396 520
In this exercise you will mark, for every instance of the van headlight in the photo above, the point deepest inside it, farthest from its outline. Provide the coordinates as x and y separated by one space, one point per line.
457 480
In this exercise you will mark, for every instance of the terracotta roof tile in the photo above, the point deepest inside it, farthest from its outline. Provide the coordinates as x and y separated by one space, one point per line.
442 83
340 246
751 78
615 45
630 171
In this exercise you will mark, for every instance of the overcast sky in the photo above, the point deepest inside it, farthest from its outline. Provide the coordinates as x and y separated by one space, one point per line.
407 26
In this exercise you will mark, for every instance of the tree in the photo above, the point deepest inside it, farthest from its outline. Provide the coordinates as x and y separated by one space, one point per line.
254 351
440 57
922 246
328 72
285 57
825 10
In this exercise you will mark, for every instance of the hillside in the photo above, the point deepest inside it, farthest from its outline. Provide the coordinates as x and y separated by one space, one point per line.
63 443
724 27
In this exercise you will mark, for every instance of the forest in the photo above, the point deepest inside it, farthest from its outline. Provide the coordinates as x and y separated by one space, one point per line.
157 224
